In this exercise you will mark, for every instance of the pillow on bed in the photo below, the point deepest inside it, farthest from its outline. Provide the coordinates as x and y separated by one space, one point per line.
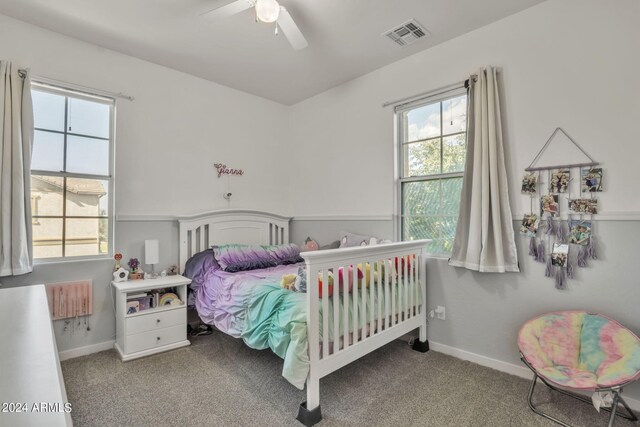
284 254
198 265
233 258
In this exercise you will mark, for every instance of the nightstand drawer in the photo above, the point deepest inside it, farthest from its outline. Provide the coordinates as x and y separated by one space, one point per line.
157 338
154 321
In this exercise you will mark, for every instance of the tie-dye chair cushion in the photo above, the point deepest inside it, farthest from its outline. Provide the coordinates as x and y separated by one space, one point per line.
579 350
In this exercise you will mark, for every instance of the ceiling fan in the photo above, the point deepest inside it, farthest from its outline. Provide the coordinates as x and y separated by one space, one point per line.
268 11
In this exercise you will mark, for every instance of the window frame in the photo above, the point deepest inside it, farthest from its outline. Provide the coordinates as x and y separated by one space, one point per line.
401 135
69 92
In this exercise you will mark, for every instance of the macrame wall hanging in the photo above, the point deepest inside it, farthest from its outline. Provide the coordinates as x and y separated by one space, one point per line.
563 204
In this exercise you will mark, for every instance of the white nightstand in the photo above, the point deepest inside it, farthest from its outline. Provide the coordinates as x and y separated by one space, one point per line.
154 330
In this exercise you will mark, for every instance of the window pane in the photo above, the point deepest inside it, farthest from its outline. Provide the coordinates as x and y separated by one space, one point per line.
423 157
84 237
48 151
443 241
420 227
88 118
87 197
453 153
451 190
87 155
48 110
421 198
423 122
454 115
47 238
46 195
440 229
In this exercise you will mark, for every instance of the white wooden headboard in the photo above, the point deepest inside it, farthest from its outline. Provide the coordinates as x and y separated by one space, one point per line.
199 232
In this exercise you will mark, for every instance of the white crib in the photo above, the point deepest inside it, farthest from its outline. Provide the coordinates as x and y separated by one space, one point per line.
372 315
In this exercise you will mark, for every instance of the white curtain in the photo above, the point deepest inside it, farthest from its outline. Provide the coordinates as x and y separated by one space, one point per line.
16 138
484 238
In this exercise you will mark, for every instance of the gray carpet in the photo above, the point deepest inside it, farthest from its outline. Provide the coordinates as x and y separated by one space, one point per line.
218 381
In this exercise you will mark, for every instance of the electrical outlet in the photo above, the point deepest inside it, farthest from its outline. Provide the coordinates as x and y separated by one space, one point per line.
441 312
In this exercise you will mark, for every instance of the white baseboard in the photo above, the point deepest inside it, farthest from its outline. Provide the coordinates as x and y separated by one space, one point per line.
83 351
509 368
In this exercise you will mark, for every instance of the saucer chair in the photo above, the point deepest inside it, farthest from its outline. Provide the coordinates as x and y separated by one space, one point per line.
578 351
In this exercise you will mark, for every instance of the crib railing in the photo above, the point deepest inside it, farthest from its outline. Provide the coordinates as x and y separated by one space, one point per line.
359 299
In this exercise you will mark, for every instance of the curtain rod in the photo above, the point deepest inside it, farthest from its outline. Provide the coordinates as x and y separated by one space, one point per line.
424 95
79 88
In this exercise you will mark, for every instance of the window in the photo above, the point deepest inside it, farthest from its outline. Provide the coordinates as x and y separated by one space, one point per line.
432 141
71 174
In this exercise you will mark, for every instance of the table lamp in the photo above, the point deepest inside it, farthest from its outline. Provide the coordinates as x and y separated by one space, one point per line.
152 255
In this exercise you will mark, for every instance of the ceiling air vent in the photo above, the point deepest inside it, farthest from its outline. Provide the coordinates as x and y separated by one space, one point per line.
407 33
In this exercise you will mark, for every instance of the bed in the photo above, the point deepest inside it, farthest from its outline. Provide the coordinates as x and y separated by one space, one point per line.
371 295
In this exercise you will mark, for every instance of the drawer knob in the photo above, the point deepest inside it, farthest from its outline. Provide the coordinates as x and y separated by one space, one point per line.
157 320
158 338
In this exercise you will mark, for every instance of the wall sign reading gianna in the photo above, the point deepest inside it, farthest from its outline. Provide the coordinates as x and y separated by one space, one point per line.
224 170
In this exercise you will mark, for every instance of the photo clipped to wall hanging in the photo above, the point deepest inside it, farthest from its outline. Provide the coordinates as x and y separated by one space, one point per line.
530 225
529 183
560 254
591 180
580 232
585 206
549 205
559 181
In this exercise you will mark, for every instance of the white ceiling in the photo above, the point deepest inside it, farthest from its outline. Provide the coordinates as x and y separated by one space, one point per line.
344 36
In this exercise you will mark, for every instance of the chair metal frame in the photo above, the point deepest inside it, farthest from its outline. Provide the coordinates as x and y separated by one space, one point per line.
616 390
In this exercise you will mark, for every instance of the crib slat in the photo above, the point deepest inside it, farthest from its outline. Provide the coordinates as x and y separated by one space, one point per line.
386 283
419 286
345 307
372 305
336 306
355 304
400 288
203 236
394 289
379 295
417 272
325 313
363 315
412 289
405 288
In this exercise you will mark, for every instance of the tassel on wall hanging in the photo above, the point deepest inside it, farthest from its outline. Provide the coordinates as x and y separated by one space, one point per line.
562 239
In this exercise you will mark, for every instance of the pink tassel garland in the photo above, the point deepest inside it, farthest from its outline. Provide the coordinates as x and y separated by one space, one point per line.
560 282
549 229
532 247
549 268
569 269
563 233
540 254
592 248
582 257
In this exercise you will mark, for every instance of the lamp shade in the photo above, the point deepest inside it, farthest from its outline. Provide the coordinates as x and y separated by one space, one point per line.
151 251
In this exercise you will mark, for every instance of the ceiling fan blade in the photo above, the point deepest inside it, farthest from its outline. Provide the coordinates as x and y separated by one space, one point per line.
227 10
291 30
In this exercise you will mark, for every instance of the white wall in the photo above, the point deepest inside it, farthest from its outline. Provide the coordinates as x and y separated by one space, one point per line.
167 141
568 63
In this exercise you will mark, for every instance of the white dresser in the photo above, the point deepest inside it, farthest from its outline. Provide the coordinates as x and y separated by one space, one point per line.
153 330
32 390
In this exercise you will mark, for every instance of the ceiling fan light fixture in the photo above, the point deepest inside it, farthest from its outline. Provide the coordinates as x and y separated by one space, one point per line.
267 10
